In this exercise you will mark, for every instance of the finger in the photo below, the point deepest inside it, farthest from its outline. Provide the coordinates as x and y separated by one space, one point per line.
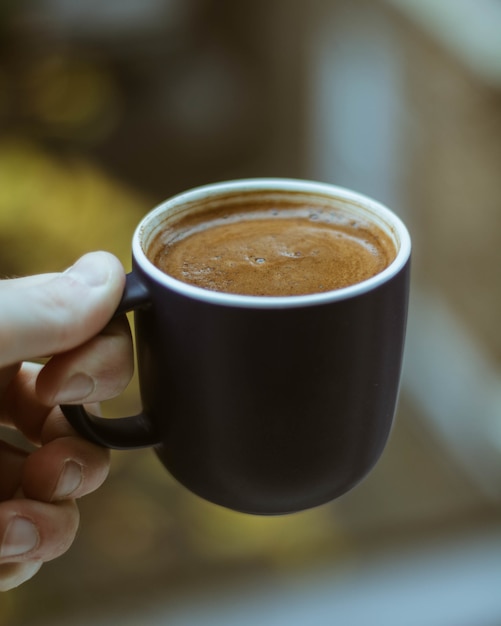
25 281
11 468
42 317
98 370
21 408
14 574
68 467
7 374
36 531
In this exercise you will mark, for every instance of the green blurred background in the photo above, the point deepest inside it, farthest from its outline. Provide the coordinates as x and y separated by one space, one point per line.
107 108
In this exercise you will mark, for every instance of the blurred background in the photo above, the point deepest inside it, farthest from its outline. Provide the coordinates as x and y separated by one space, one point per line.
106 109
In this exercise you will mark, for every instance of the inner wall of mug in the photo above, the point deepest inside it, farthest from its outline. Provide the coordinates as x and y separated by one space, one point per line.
284 192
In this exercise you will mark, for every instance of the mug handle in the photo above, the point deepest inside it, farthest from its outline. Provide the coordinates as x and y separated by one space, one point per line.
122 433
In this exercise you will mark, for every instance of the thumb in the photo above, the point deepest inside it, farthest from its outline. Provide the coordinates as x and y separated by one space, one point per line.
52 313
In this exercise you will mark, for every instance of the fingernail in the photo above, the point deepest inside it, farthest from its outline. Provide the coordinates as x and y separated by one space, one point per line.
92 270
76 388
70 479
20 537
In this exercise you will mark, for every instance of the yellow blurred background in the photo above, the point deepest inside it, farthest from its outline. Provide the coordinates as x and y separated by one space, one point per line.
106 109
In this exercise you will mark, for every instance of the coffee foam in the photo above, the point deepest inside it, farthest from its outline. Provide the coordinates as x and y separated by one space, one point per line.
272 249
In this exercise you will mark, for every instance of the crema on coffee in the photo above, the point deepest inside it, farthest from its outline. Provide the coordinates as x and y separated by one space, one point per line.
269 249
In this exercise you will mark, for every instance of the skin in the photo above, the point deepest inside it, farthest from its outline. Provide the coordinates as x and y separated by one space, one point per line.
66 317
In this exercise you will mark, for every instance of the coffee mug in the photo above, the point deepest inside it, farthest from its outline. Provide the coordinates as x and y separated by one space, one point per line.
263 404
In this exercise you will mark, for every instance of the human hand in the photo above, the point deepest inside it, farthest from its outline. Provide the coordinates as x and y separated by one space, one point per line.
65 316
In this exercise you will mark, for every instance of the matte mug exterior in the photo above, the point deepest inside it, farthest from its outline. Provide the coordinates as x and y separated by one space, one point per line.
263 405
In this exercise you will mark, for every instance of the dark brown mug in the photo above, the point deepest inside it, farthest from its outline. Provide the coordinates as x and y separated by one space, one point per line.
265 405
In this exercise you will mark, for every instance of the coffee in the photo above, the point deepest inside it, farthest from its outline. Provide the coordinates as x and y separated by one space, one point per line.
271 248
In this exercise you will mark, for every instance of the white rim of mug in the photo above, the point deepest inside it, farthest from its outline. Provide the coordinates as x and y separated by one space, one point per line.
382 214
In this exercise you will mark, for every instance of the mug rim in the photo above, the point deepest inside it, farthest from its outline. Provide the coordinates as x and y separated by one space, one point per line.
327 190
